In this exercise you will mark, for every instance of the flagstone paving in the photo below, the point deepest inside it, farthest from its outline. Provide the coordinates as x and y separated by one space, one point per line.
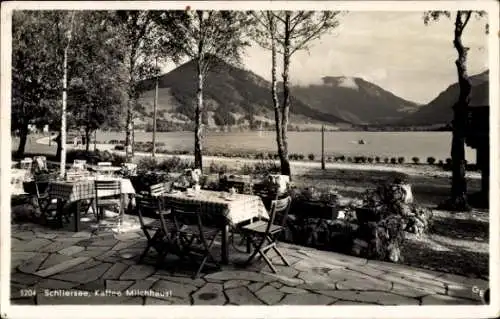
105 267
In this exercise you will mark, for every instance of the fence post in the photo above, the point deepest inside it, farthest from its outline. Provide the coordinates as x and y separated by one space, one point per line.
322 147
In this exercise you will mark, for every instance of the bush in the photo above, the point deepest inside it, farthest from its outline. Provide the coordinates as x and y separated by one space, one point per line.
401 160
370 160
431 160
310 157
393 160
386 160
175 164
342 158
377 159
415 160
448 161
261 168
349 159
147 164
119 147
301 157
215 168
440 163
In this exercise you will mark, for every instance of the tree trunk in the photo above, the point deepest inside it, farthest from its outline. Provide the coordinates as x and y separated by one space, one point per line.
59 146
197 119
277 115
23 137
459 182
87 139
153 153
285 164
128 132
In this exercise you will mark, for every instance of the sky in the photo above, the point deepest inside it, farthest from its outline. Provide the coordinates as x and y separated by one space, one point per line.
394 50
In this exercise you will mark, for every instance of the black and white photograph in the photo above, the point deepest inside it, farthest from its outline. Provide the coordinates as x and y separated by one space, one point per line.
250 153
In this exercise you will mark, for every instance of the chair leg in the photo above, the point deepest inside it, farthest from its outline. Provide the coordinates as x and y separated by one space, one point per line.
281 255
144 253
268 261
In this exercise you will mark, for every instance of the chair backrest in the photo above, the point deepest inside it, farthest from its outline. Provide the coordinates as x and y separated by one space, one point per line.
104 164
185 214
26 163
41 163
159 189
280 209
107 188
80 164
145 204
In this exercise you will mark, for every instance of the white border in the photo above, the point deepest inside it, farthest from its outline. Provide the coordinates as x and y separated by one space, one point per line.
493 310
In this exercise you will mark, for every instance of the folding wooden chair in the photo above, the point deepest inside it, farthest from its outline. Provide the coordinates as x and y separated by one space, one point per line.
79 164
195 236
160 233
262 235
46 206
159 189
26 163
108 195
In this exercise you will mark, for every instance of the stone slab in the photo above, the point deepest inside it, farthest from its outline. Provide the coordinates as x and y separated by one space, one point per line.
86 275
137 272
242 296
210 294
306 299
269 295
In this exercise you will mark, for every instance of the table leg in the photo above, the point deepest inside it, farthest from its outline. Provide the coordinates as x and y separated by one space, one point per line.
60 207
77 216
224 245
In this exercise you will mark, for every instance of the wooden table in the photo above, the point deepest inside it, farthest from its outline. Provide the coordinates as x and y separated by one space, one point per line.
76 191
239 208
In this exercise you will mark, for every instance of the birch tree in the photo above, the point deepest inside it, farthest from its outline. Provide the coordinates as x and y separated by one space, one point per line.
209 38
138 57
36 73
288 32
458 200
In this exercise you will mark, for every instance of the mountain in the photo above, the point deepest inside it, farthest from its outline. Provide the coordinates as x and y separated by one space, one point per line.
439 110
355 100
231 96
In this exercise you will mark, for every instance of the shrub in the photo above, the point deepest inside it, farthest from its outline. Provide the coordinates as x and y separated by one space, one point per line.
311 157
431 160
448 161
329 159
377 159
342 158
301 157
261 168
386 160
393 160
363 159
401 160
119 147
215 168
370 160
441 163
349 159
147 164
415 160
174 164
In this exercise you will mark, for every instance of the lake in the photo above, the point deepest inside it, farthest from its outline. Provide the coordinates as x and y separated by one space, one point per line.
382 144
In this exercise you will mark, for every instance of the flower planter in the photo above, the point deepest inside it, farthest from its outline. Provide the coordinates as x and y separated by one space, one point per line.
314 209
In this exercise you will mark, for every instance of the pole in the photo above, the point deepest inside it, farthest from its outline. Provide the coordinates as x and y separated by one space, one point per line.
155 105
322 147
95 140
62 166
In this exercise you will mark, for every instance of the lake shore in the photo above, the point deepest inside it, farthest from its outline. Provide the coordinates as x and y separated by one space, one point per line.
298 167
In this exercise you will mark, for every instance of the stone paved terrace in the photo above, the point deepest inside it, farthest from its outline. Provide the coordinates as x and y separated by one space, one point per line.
44 258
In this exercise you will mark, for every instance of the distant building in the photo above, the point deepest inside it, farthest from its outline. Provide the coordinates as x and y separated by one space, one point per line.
478 133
